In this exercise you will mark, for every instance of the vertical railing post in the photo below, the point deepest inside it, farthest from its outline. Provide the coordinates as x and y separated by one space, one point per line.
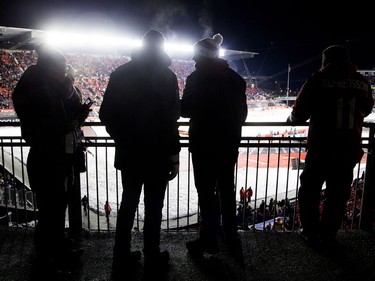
368 197
74 207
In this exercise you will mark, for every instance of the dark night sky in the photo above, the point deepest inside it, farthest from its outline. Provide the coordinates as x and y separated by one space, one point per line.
281 32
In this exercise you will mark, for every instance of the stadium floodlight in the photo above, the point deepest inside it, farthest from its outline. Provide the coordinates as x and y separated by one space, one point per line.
187 49
87 41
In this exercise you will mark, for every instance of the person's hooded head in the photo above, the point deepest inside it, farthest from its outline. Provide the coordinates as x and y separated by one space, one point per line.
207 48
153 40
52 60
335 54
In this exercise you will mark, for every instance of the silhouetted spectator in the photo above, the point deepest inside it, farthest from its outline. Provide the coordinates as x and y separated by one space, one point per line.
271 207
335 99
248 194
107 210
85 202
215 101
140 110
262 207
242 195
50 111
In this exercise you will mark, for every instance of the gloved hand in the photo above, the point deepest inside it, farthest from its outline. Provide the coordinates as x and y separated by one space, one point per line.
83 114
294 121
174 166
291 119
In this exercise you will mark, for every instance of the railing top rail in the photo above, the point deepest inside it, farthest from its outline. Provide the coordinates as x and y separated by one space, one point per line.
6 123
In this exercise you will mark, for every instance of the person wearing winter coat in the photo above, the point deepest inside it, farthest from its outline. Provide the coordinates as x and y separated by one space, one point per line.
214 99
335 100
50 113
140 110
107 210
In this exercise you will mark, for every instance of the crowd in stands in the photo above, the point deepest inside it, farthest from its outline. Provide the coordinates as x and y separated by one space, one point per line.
92 74
281 212
283 215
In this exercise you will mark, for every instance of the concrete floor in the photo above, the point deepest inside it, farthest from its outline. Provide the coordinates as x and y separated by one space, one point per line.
268 256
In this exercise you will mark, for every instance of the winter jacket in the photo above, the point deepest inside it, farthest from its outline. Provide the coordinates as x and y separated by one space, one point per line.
215 101
336 99
141 107
47 108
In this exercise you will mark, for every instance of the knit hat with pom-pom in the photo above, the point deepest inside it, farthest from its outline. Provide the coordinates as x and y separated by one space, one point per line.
208 47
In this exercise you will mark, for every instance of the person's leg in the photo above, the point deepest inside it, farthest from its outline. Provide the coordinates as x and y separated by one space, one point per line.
209 207
154 193
132 187
309 196
205 182
49 184
155 260
338 188
225 183
47 177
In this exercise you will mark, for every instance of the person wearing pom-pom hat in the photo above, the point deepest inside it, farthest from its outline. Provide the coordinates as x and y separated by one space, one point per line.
215 101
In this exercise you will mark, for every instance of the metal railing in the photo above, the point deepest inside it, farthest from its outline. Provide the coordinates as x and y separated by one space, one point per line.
270 165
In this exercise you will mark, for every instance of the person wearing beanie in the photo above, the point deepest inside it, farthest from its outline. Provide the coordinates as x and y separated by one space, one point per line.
208 47
214 99
49 108
140 109
335 99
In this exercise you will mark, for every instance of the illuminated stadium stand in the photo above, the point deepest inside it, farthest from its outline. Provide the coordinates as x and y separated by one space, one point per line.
370 75
17 43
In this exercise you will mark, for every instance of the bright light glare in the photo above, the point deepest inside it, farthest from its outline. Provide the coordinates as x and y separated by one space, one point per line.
181 48
81 40
97 41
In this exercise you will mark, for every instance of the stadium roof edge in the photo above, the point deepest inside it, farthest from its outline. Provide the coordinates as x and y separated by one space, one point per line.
14 38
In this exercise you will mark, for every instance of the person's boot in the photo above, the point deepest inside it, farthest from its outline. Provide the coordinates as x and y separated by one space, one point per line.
234 245
156 265
199 246
124 265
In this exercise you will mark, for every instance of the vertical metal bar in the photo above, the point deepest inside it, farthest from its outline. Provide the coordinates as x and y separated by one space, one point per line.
23 186
368 195
106 184
188 187
266 191
178 200
255 220
13 185
88 192
97 187
277 181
